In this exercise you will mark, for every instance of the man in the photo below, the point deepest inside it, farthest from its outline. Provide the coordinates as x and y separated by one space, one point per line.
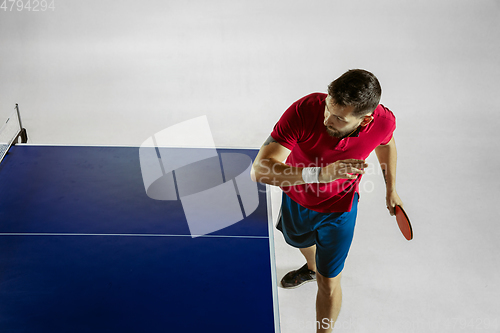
325 139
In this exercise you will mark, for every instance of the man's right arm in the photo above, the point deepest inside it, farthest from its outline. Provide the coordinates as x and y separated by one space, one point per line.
268 167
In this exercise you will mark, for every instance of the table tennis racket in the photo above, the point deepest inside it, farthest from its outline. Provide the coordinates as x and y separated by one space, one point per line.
403 222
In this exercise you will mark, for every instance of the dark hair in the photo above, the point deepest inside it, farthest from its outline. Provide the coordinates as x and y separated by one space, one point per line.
357 88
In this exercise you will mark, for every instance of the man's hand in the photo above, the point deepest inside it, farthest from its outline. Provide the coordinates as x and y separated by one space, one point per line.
392 200
343 169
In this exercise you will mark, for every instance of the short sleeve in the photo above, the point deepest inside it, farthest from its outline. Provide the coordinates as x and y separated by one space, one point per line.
391 126
287 130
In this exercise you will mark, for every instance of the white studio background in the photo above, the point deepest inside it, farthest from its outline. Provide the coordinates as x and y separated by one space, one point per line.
116 72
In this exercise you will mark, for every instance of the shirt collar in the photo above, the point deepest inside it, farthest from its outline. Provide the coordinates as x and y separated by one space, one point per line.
367 128
361 129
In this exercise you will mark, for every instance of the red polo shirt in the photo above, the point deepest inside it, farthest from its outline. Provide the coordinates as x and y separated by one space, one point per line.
301 130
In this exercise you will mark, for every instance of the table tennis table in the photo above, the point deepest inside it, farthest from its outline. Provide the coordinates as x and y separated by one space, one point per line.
83 248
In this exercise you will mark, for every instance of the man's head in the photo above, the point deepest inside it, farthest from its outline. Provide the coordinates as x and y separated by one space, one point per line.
351 100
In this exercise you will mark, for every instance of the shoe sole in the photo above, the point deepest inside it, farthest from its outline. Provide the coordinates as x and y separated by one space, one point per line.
294 287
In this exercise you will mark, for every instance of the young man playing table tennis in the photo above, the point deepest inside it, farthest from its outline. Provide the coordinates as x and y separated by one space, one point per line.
325 139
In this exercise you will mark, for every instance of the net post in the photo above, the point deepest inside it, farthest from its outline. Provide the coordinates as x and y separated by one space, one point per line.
22 134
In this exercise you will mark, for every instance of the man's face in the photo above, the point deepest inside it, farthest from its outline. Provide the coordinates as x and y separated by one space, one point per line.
339 121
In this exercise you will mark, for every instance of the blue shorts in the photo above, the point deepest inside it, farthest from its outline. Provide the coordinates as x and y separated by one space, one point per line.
332 233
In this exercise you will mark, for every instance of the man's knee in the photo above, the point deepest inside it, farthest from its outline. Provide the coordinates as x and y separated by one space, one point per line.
328 286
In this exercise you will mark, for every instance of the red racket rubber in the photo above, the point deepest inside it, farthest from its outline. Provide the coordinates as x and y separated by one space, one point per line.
403 223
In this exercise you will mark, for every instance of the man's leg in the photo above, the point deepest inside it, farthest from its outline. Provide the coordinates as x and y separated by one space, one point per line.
310 255
328 302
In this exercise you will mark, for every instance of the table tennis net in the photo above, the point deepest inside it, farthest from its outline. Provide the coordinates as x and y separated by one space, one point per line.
10 132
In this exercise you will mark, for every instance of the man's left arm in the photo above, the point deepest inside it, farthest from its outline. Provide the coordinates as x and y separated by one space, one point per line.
387 157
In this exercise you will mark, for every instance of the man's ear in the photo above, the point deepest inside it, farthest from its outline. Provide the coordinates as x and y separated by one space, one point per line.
366 120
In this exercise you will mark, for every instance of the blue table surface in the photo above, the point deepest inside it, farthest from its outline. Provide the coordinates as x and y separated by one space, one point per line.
64 267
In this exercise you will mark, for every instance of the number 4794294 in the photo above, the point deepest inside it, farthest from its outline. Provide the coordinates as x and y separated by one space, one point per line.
27 5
